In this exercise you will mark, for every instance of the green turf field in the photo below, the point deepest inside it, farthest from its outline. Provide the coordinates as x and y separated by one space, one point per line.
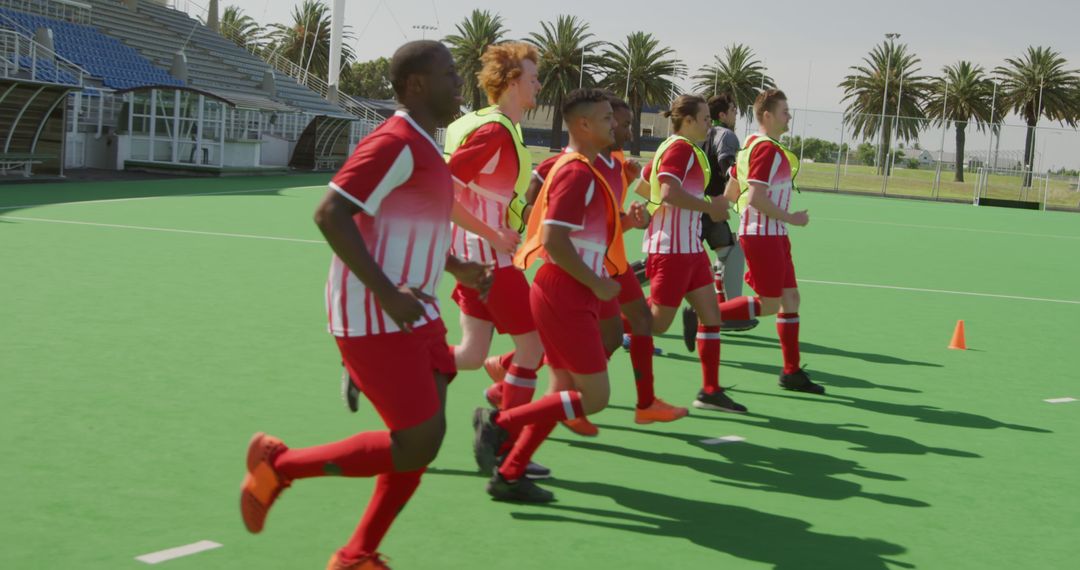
144 340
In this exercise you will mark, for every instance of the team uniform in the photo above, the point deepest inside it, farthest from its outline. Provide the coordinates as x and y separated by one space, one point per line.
677 262
485 169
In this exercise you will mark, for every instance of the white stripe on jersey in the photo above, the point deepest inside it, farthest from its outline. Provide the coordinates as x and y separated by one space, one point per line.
674 230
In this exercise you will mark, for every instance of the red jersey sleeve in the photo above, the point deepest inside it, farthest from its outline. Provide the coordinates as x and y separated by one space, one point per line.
479 152
761 163
677 161
569 193
646 171
545 167
378 165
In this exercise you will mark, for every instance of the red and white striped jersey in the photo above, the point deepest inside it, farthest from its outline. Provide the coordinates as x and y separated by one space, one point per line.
769 166
675 230
398 178
610 167
575 200
485 170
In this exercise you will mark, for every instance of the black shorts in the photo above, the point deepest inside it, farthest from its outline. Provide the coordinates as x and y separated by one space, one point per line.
716 234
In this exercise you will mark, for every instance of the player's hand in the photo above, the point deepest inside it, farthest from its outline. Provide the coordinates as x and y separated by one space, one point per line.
638 215
800 218
475 275
405 306
606 289
718 209
632 169
506 241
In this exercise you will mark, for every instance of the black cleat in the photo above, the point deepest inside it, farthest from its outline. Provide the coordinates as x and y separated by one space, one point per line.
718 401
521 491
689 329
738 326
349 392
533 471
489 438
799 381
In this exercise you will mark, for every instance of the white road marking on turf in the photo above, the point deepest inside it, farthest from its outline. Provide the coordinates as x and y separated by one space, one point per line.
167 230
725 439
949 228
943 291
178 552
109 200
1060 400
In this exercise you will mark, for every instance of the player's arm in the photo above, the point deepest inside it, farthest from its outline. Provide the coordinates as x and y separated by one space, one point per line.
731 190
636 218
334 217
672 192
503 240
556 240
759 199
471 274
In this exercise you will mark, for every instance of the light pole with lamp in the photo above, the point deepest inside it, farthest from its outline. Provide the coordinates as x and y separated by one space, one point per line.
424 29
888 71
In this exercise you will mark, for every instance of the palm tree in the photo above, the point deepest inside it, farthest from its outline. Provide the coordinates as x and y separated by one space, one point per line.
474 34
306 41
1038 85
644 71
865 92
737 72
963 95
564 45
240 28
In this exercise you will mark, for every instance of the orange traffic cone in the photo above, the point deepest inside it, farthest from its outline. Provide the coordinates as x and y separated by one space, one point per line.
958 342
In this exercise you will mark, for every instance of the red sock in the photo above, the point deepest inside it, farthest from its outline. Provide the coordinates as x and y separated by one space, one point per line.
553 408
519 386
641 358
392 491
718 284
506 360
531 437
362 455
787 325
741 309
708 347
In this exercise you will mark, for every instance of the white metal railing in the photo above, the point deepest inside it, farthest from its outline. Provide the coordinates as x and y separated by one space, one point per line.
23 58
92 110
67 10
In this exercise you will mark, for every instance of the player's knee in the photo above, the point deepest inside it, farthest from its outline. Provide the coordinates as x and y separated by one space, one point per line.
468 357
593 401
418 446
641 324
770 305
791 300
529 351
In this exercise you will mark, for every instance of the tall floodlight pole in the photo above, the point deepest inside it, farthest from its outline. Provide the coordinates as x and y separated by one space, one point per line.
337 26
424 29
885 99
581 75
889 159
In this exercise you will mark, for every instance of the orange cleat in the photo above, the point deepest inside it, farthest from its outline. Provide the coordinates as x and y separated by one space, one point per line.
369 562
495 369
262 484
659 411
582 426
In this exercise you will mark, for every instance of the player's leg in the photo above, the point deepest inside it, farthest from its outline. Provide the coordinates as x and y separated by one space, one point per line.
648 408
476 335
712 395
793 377
731 265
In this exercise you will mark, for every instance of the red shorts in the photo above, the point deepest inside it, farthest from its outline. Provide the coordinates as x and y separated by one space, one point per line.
507 305
396 372
631 288
567 316
673 275
769 266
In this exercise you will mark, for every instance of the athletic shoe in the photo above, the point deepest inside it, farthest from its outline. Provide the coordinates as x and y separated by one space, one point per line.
493 394
369 562
738 326
533 470
349 392
494 368
799 381
262 483
659 411
689 329
521 491
582 427
718 401
626 345
489 439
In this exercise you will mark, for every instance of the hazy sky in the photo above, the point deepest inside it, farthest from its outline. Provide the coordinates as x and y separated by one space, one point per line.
797 40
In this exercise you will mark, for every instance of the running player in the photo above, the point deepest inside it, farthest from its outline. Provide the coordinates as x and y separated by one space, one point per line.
762 181
678 267
387 219
573 228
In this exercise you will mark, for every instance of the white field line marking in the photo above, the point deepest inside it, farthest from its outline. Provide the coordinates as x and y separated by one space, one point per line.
178 552
942 291
725 439
1060 400
949 228
110 200
166 230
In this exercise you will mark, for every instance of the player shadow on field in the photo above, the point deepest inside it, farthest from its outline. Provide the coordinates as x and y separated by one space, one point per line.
811 348
760 468
855 434
919 412
785 543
